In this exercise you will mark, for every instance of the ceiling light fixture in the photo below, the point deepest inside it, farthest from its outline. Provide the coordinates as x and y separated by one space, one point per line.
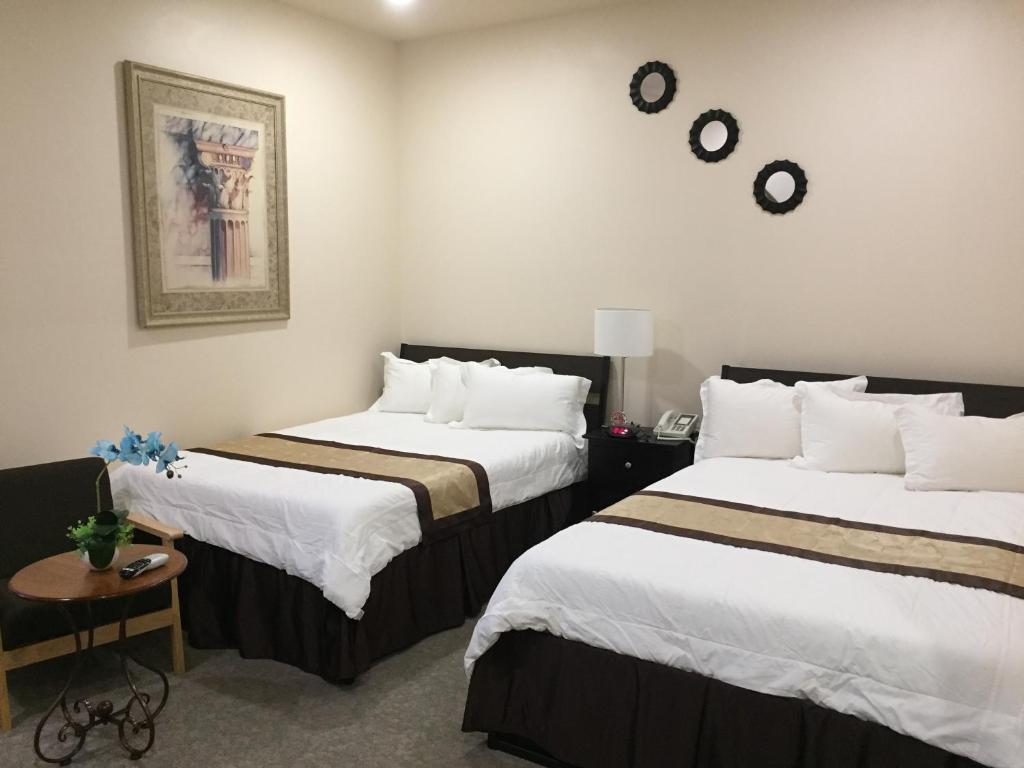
400 3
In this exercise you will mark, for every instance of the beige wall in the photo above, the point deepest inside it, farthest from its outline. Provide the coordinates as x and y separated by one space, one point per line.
532 191
74 365
527 191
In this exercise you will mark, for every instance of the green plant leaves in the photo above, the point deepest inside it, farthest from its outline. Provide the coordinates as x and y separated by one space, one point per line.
105 529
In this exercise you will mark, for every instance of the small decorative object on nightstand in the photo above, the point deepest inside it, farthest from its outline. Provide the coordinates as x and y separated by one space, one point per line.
619 468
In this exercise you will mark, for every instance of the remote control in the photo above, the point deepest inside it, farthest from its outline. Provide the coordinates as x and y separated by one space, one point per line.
144 564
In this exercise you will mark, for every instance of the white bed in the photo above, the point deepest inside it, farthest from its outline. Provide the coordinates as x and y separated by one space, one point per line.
939 662
336 531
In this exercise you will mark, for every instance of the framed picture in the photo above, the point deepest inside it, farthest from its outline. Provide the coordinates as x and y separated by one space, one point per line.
209 199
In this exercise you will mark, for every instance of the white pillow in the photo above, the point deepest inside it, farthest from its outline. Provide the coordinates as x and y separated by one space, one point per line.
757 420
857 431
970 453
526 369
448 389
499 398
406 385
949 403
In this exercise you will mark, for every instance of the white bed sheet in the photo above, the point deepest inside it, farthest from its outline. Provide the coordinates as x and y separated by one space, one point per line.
335 531
940 662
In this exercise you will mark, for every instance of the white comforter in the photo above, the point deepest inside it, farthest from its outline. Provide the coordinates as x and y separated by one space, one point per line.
335 531
940 662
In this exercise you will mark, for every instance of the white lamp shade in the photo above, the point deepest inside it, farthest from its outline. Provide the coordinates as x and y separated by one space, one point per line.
624 332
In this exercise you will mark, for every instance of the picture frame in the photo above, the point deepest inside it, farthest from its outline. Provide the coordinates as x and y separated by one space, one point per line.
209 200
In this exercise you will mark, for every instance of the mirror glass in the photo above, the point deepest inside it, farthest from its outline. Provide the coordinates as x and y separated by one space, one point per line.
780 186
714 135
652 87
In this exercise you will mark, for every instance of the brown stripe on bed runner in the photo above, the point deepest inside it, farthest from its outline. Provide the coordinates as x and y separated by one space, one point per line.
997 566
448 491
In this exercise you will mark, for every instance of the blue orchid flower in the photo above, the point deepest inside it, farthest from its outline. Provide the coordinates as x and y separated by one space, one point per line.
106 450
153 446
131 448
169 455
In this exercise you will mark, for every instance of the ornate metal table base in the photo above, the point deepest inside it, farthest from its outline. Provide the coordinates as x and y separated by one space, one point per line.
129 725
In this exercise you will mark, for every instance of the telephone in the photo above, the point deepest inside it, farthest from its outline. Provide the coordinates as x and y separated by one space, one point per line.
676 425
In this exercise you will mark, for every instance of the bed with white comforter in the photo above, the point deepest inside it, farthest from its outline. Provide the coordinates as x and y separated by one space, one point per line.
336 531
939 662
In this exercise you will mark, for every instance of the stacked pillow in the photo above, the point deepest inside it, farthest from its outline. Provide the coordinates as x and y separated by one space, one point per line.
499 398
759 420
406 385
962 454
836 426
448 388
858 432
485 395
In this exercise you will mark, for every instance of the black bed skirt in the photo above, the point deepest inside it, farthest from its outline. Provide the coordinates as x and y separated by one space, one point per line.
592 708
230 601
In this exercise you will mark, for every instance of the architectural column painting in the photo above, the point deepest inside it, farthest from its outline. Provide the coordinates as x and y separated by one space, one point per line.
209 200
229 210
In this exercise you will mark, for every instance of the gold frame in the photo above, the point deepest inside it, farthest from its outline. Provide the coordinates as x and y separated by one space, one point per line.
155 307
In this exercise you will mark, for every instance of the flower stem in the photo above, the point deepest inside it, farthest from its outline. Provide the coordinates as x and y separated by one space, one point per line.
98 478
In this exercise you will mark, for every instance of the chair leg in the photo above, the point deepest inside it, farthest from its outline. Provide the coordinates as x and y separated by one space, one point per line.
177 643
5 702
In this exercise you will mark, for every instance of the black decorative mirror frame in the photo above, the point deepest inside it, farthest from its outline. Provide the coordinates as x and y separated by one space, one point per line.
769 203
732 135
653 67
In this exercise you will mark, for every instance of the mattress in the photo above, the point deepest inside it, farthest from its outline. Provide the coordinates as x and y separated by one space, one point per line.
940 662
337 531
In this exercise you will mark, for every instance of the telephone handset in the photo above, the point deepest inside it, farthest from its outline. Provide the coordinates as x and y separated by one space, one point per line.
676 425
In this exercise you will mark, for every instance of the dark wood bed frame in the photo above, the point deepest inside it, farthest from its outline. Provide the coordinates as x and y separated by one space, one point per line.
230 601
992 400
860 742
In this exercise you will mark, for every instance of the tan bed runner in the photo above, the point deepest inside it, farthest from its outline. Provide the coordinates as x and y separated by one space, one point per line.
972 562
448 491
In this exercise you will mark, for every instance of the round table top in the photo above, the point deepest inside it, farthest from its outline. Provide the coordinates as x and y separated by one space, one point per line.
67 578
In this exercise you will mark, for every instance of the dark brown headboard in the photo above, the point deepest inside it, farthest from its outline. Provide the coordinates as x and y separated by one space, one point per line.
979 399
588 366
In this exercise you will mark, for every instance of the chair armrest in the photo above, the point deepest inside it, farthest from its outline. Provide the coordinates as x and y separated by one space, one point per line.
165 533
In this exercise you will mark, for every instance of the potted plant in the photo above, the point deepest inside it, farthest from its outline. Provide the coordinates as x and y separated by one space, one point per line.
99 538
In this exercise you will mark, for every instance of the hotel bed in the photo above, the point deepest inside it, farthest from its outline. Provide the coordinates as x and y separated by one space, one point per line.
328 570
612 645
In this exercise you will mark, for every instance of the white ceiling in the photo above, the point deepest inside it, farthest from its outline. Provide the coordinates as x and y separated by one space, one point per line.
423 18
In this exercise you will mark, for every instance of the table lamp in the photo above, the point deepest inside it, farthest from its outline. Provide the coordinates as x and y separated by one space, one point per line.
623 333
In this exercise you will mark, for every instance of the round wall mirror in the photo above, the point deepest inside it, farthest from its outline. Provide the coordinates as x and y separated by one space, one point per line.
780 186
713 135
653 87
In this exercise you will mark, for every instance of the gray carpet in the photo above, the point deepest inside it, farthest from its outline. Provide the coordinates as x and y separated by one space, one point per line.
226 711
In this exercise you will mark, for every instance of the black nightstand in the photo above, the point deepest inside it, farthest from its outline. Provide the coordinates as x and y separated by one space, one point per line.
618 467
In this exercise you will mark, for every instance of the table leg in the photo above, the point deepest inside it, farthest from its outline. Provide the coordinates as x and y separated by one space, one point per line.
148 720
70 726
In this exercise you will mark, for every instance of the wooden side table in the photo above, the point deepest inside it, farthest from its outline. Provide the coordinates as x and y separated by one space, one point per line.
64 579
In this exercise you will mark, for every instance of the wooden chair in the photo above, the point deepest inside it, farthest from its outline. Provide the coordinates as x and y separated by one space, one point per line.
37 504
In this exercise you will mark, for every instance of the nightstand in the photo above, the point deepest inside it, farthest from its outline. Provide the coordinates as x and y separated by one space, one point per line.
618 467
